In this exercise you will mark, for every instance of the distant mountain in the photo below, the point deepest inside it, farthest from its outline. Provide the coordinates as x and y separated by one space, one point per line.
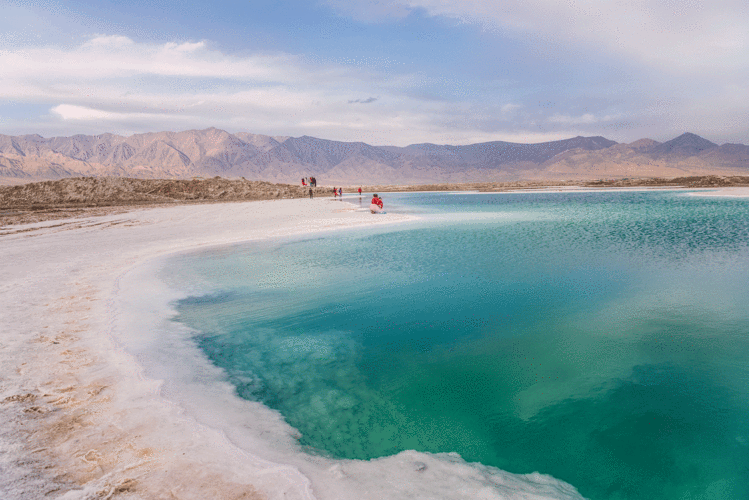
685 145
261 142
213 152
643 144
688 154
489 154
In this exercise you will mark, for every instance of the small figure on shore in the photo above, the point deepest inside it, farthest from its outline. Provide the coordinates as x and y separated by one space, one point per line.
335 192
376 205
340 192
313 182
310 193
359 190
303 183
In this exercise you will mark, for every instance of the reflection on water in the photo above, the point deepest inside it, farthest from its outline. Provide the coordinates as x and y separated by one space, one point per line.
600 338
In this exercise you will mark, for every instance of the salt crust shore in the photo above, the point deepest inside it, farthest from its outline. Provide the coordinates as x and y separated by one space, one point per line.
80 417
730 192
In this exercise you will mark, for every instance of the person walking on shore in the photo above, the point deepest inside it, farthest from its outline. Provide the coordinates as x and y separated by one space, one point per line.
340 192
359 190
310 193
335 192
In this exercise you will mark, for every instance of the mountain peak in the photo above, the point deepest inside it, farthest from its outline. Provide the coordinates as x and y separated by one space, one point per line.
687 144
690 138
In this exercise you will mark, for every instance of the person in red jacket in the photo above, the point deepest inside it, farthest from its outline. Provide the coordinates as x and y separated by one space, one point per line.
376 204
359 191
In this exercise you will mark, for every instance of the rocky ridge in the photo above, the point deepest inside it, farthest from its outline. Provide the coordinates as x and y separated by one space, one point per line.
213 152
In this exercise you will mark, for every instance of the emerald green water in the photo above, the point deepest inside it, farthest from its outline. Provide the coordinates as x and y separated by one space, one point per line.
601 338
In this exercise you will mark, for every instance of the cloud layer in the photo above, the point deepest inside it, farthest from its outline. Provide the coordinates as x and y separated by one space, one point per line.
684 35
116 84
623 69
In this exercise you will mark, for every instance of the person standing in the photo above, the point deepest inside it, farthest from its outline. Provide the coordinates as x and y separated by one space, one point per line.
340 192
303 183
310 193
359 190
335 192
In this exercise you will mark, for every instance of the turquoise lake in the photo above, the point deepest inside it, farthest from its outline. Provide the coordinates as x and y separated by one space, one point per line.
601 338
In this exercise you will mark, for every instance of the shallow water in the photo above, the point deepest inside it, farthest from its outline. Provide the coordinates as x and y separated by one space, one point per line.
601 338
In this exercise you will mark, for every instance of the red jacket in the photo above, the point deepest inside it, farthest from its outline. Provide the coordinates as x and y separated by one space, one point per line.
377 201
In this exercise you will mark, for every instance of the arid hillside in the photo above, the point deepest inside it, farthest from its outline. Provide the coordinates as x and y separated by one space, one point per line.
213 152
88 195
114 191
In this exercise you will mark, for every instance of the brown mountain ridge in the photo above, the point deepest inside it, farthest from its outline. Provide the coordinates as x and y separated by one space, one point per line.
214 152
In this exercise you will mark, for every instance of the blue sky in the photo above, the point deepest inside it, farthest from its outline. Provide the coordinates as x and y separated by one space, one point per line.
378 71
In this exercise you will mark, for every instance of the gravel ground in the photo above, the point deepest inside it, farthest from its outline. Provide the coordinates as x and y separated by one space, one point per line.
88 196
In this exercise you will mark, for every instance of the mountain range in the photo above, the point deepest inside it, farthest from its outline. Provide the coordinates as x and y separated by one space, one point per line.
213 152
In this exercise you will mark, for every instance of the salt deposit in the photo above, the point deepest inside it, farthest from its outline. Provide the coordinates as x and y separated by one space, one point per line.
730 192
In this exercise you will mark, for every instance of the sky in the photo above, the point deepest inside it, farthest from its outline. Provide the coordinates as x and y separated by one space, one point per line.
384 72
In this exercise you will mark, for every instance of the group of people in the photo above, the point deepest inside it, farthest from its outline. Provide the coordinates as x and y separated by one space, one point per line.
375 205
340 192
309 181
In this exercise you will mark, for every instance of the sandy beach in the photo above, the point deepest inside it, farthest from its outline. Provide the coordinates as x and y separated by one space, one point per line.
82 419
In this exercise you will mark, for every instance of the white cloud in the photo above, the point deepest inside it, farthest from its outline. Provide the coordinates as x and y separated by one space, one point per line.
587 119
104 57
683 35
510 109
83 113
112 41
112 83
115 84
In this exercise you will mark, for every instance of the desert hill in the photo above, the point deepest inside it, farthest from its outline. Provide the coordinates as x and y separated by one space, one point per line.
213 152
685 145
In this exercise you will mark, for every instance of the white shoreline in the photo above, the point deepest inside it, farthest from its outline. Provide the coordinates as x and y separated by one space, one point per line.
80 418
564 189
729 192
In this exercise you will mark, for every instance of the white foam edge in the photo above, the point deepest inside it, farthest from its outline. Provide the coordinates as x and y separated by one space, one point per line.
262 446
